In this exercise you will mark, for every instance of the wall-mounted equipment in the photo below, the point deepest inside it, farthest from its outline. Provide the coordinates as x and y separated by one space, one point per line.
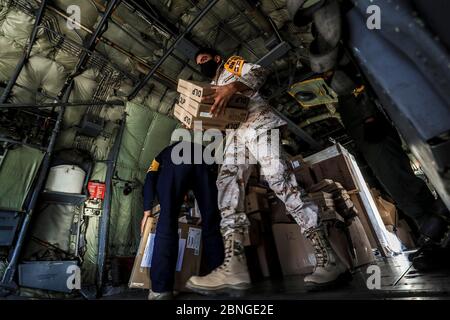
65 178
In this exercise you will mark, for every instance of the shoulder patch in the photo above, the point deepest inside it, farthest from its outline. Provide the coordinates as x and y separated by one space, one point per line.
154 166
234 65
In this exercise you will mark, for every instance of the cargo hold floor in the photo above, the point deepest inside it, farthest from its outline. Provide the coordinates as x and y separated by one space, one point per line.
398 281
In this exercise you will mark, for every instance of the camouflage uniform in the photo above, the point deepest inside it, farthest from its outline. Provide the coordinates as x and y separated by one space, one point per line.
246 143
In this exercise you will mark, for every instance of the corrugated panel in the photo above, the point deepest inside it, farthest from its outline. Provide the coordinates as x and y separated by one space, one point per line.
15 187
146 134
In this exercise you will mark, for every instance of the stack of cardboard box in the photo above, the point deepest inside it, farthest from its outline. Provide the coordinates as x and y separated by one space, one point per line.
340 197
195 101
281 248
330 179
337 164
323 199
359 244
294 252
189 256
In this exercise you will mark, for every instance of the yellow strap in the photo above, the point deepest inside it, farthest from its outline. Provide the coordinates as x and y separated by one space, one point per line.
358 90
154 166
234 65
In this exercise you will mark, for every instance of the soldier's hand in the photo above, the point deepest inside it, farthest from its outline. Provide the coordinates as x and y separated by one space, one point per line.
222 97
147 214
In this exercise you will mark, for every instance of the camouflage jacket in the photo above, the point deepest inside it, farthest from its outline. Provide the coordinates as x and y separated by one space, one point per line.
253 76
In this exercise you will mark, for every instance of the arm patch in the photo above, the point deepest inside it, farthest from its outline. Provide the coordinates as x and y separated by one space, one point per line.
234 65
154 166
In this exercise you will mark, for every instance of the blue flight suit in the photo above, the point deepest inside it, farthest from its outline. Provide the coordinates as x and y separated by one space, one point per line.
170 182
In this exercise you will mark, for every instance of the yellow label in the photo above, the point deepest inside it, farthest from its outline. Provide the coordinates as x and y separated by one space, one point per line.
154 166
358 91
234 65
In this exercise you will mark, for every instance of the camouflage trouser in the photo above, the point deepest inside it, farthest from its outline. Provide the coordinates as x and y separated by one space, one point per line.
248 145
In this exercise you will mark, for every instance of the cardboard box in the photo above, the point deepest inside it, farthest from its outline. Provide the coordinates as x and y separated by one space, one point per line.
192 106
322 199
336 169
202 91
201 110
361 244
341 199
362 214
278 212
207 123
267 252
253 238
189 256
257 189
387 210
253 265
198 91
258 262
179 112
341 246
304 177
295 252
262 259
230 115
256 202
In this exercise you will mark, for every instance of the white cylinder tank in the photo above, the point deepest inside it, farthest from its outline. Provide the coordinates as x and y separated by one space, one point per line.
65 178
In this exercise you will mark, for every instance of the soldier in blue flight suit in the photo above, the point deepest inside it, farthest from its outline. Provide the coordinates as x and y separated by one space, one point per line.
170 182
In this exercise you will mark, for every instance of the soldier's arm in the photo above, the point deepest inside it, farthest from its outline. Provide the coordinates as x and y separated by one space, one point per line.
251 77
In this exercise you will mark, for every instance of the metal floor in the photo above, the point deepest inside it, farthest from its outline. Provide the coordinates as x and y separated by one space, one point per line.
398 281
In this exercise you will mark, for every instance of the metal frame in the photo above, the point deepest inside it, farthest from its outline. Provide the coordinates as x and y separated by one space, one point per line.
60 104
90 44
302 134
26 54
149 75
228 31
161 77
4 139
146 15
104 220
7 280
276 53
249 21
142 43
100 59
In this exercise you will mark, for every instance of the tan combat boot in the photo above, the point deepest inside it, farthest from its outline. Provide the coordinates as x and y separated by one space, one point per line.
330 271
231 277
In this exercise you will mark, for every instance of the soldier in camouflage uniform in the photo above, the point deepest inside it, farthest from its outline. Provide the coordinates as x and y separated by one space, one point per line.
251 143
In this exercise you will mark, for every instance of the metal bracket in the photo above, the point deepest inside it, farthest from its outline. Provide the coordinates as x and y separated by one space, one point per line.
274 54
